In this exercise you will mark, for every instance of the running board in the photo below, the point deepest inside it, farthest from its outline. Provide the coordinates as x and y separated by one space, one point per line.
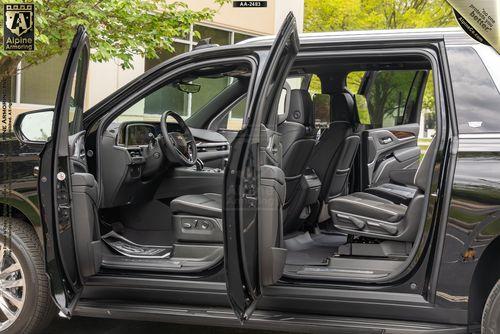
131 249
263 320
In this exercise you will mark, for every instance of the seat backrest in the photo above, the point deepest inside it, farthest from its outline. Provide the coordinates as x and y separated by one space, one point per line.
298 133
425 168
333 155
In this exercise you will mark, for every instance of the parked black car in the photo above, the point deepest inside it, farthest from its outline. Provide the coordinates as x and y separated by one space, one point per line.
314 210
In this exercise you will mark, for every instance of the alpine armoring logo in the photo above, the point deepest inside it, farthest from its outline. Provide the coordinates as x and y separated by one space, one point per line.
19 27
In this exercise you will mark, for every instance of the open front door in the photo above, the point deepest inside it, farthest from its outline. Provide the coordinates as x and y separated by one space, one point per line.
54 184
254 187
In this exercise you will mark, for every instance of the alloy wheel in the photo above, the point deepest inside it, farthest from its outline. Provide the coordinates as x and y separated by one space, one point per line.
12 288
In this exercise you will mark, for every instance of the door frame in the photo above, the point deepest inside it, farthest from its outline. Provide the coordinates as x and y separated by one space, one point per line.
54 180
333 298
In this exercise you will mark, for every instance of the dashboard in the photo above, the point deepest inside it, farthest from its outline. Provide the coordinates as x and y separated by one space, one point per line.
134 134
134 167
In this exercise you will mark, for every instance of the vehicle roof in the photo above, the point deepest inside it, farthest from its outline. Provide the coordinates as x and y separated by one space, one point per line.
450 35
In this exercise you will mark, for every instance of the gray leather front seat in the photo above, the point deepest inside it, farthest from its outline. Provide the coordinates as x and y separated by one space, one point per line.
298 137
296 127
206 205
365 214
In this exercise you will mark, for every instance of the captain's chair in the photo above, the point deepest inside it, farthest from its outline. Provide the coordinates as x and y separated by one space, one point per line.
369 215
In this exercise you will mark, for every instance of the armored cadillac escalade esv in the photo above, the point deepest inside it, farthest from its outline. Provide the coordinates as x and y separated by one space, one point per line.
328 182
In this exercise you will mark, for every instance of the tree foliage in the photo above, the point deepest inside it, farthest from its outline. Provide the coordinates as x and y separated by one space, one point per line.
335 15
118 29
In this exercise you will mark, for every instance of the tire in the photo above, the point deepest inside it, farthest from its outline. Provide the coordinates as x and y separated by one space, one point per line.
38 309
490 323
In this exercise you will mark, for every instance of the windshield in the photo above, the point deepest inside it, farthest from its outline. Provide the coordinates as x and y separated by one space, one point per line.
185 97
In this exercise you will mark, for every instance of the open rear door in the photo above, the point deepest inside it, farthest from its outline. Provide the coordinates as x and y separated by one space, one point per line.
254 185
54 183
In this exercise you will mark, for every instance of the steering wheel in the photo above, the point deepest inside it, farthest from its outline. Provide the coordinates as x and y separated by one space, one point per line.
179 146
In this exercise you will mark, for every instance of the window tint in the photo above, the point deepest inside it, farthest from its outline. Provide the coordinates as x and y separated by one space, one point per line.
235 119
387 96
477 99
169 97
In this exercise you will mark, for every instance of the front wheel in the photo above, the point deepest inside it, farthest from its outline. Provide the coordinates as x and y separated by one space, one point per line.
25 303
490 323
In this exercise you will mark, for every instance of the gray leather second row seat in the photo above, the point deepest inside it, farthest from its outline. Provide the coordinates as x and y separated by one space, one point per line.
369 215
333 155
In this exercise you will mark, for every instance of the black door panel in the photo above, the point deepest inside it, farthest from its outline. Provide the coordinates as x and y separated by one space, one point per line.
254 185
388 149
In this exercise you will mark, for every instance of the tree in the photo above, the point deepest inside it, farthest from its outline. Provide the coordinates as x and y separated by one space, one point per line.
118 29
335 15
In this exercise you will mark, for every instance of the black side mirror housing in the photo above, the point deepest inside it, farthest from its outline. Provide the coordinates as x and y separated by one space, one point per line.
34 127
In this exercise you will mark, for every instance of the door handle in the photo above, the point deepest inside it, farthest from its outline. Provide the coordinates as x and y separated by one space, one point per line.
385 140
36 170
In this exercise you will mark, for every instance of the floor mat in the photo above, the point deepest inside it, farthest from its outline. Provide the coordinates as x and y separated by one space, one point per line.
130 249
316 249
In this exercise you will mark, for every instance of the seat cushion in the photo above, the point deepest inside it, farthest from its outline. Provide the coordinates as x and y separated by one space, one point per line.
394 192
368 205
206 205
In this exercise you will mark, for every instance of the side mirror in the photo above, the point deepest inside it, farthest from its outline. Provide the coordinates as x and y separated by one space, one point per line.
34 127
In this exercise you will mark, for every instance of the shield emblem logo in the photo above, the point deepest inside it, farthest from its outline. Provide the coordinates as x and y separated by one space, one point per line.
19 21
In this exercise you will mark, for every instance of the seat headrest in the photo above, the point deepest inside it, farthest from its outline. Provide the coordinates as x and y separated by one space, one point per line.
343 108
301 108
422 174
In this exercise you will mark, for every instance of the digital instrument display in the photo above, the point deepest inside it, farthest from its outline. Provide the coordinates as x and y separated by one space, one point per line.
138 134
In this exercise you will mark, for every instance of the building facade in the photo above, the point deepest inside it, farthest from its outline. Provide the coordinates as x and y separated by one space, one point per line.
35 87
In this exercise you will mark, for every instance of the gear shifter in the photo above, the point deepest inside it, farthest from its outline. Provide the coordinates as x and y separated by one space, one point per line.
199 165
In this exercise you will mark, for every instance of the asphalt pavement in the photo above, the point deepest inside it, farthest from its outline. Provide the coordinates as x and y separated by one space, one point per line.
80 325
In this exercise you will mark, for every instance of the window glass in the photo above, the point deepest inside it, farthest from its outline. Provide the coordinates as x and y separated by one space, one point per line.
315 85
477 99
39 83
387 96
282 101
321 105
295 82
353 81
170 97
427 117
241 37
164 55
362 106
235 117
217 36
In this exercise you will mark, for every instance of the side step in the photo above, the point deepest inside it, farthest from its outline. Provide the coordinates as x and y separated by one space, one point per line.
264 320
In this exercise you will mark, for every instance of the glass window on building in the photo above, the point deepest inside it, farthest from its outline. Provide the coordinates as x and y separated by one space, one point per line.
217 36
39 83
165 55
241 37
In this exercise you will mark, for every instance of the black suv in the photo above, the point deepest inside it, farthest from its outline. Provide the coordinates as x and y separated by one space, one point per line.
340 181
